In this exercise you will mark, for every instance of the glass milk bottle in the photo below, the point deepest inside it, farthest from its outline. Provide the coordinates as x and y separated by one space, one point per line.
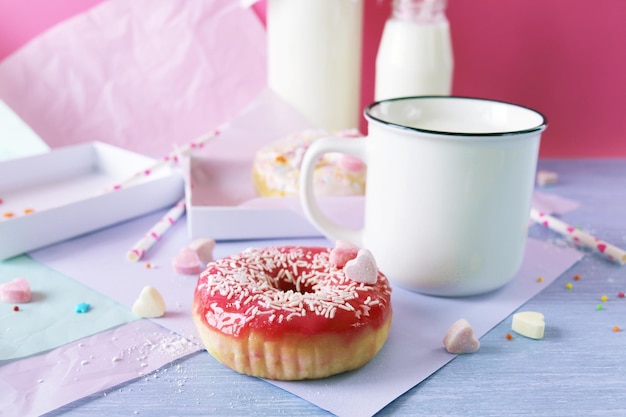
415 53
314 58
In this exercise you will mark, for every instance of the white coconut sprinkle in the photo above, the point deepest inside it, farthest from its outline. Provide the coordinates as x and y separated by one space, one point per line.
283 284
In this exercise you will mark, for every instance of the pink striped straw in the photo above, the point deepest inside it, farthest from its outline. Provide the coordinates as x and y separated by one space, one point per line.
168 159
144 244
579 237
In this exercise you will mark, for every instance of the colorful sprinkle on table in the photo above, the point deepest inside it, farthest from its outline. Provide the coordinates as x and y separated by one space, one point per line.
621 294
599 307
616 328
8 214
569 286
577 277
82 308
509 336
540 279
29 211
16 308
604 298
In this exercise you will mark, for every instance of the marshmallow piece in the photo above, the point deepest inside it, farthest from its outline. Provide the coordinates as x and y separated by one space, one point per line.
460 338
342 253
187 262
149 304
546 178
529 323
362 268
204 249
16 291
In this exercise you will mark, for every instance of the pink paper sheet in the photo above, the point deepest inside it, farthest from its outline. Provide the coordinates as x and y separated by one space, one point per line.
141 75
45 382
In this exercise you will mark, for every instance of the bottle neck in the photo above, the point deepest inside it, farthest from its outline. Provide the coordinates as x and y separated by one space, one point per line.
419 11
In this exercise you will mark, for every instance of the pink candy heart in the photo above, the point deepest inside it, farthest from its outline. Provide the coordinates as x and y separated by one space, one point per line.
342 253
204 249
460 338
16 291
362 268
187 262
351 164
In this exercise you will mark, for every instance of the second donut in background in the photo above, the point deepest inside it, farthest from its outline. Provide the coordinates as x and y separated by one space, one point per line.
276 168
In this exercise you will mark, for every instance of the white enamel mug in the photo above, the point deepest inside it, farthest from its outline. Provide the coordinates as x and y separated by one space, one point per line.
448 191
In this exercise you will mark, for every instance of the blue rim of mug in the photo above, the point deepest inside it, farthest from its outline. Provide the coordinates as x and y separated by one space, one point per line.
540 127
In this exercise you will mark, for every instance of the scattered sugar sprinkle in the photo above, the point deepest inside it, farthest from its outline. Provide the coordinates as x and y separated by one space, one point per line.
604 298
621 294
540 279
39 381
577 277
16 308
509 336
616 329
82 308
599 307
569 286
84 362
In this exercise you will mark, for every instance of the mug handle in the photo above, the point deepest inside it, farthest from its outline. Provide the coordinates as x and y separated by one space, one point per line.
351 146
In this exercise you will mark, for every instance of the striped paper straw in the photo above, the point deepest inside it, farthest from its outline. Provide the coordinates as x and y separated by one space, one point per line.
170 158
579 237
144 244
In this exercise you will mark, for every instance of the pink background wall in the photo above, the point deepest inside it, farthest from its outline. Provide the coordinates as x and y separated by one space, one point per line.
567 59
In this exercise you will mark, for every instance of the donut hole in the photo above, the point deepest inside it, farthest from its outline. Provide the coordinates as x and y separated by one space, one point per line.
285 286
288 283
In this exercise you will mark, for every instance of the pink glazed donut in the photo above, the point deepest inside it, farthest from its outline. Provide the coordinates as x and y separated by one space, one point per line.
288 313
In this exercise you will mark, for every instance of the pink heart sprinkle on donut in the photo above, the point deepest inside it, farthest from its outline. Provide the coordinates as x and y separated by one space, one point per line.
460 338
187 262
342 253
601 247
362 268
16 291
351 164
